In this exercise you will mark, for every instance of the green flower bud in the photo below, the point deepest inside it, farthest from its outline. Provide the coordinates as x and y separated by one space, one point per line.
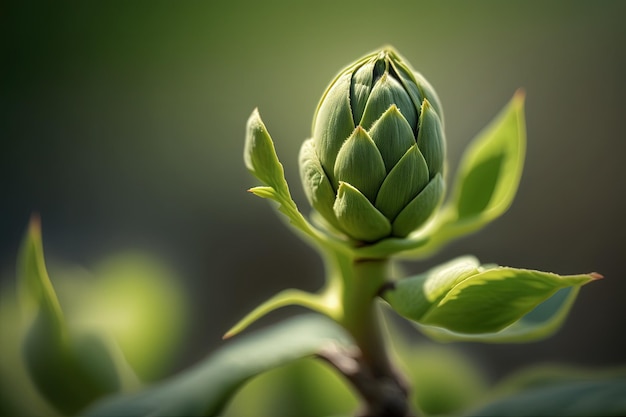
374 166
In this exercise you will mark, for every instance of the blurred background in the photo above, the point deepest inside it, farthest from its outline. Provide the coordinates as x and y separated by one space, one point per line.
122 125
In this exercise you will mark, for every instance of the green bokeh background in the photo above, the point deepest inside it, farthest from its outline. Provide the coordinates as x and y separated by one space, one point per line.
122 124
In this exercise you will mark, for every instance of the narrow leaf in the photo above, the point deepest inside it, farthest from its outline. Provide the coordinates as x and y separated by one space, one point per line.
317 302
431 140
205 389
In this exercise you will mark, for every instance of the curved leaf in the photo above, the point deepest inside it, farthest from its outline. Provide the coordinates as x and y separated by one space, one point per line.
206 388
541 322
69 370
463 297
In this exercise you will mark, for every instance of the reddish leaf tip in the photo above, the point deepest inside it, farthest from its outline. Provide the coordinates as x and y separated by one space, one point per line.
595 276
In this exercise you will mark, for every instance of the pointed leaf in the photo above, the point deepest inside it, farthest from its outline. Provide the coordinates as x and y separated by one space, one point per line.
392 135
474 300
358 217
431 140
420 209
261 159
333 122
360 88
404 182
321 303
416 85
387 91
359 163
259 153
206 388
316 184
69 370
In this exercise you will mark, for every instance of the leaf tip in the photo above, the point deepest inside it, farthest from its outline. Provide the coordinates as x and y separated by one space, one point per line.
34 225
519 96
595 276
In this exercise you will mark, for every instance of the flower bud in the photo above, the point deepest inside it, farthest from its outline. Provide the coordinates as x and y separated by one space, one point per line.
374 166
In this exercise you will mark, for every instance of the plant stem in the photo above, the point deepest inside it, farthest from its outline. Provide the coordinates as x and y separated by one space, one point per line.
380 386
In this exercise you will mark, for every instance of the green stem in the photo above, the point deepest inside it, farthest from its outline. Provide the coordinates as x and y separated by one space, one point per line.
378 383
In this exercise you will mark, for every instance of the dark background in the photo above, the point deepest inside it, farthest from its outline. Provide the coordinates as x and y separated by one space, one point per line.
122 124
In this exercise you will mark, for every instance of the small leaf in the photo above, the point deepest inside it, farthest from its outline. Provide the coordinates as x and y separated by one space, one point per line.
316 184
205 389
359 163
259 154
321 303
404 182
358 217
431 140
392 135
388 91
333 122
420 209
475 300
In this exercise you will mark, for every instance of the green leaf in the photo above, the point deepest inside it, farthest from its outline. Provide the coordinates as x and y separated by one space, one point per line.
420 209
324 303
357 216
593 397
487 178
261 159
464 297
543 321
259 154
359 163
205 389
69 370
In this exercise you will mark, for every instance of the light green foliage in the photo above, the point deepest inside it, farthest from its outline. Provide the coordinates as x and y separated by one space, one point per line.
374 173
70 369
464 297
205 389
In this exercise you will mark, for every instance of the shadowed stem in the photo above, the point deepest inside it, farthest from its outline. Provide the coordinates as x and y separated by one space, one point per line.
370 369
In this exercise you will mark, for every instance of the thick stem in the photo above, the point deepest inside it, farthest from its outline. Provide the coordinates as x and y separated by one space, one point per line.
383 390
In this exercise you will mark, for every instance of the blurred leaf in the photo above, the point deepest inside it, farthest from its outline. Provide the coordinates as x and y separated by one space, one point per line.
136 299
307 387
69 370
206 388
464 297
592 397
